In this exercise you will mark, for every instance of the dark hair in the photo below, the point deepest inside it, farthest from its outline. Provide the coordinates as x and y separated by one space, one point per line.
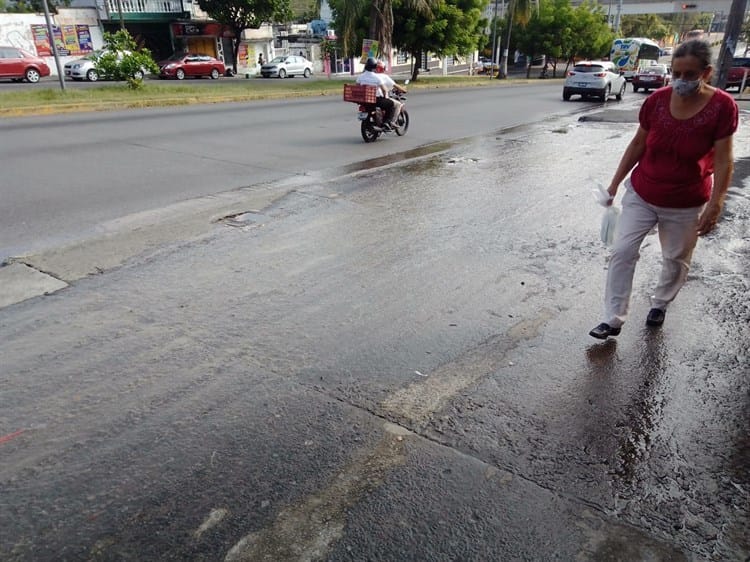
697 48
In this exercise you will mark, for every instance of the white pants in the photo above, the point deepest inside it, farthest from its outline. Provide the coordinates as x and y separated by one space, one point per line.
677 235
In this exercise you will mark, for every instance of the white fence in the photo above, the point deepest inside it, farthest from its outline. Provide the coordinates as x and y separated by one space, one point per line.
144 6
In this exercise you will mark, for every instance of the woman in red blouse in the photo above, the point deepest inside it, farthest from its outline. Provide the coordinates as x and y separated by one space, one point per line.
682 154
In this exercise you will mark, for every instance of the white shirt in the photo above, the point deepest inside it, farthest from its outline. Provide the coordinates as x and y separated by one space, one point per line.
368 78
388 81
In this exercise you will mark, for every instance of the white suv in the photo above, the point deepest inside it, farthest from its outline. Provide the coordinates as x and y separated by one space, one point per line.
594 79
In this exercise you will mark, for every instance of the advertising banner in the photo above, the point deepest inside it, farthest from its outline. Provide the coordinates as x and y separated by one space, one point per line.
369 49
70 40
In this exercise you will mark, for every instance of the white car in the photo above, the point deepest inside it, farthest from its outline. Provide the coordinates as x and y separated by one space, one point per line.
288 65
85 68
599 79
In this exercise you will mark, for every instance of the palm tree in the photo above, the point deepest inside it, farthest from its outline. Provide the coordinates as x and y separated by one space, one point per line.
351 12
519 11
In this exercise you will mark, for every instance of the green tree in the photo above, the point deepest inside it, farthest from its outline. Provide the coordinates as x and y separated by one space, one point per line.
561 32
454 27
651 26
122 59
745 33
543 34
519 14
590 36
239 15
34 6
350 15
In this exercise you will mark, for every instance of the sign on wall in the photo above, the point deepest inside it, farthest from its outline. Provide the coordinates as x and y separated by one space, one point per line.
369 49
69 40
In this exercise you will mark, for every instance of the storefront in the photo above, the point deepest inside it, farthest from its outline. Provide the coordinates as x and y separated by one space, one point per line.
212 39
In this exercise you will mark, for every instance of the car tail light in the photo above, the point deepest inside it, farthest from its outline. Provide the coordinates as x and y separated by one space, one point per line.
571 73
600 74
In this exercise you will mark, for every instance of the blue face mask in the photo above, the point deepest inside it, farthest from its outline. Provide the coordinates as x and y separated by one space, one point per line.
685 87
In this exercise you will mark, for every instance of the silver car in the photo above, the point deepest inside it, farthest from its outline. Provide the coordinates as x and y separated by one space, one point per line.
287 65
85 68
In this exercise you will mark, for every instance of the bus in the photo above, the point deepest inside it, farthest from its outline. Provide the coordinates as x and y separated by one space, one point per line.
630 54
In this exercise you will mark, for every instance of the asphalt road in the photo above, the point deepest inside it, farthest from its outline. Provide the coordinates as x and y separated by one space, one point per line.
65 176
388 364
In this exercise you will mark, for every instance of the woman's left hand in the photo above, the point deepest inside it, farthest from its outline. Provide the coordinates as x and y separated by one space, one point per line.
708 219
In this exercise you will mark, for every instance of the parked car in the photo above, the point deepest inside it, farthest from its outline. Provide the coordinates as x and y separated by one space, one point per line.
484 65
594 79
181 65
85 67
287 65
18 64
666 52
652 77
740 65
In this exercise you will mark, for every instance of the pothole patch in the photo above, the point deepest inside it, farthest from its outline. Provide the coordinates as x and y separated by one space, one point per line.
612 116
251 218
19 282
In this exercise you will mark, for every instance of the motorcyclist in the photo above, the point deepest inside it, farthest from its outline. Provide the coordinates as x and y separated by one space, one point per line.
391 85
370 78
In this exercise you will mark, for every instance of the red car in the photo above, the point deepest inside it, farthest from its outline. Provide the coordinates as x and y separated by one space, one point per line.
740 65
18 65
652 77
191 64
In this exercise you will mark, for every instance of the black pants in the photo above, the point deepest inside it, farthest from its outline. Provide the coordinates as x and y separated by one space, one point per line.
388 106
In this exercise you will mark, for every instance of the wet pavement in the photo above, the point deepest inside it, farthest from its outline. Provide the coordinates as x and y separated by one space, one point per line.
390 365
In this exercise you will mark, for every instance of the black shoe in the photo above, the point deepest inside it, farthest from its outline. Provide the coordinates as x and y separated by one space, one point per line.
655 317
603 331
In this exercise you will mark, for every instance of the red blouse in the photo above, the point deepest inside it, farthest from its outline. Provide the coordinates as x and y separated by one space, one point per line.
676 168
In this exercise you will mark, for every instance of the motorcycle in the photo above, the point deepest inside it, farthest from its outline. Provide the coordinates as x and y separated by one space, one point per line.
372 118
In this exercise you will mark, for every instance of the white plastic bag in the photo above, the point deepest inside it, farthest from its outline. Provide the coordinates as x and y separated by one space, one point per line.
609 224
611 214
601 195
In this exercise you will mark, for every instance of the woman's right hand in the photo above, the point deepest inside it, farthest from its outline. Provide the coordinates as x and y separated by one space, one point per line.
612 191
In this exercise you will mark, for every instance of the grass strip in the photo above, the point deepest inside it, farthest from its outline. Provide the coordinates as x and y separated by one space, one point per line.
156 93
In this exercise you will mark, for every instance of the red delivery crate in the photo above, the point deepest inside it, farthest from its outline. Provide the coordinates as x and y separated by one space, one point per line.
360 94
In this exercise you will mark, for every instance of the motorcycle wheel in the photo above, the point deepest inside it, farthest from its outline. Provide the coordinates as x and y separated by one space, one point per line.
368 132
402 123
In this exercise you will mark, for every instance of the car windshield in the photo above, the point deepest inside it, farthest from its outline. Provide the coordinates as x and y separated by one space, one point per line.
277 60
588 68
177 56
656 69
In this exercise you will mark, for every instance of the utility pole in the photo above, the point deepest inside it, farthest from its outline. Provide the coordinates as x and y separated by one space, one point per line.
494 42
503 73
617 18
122 18
52 45
729 44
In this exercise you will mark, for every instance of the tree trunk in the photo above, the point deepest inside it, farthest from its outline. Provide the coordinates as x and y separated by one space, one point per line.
235 50
417 61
